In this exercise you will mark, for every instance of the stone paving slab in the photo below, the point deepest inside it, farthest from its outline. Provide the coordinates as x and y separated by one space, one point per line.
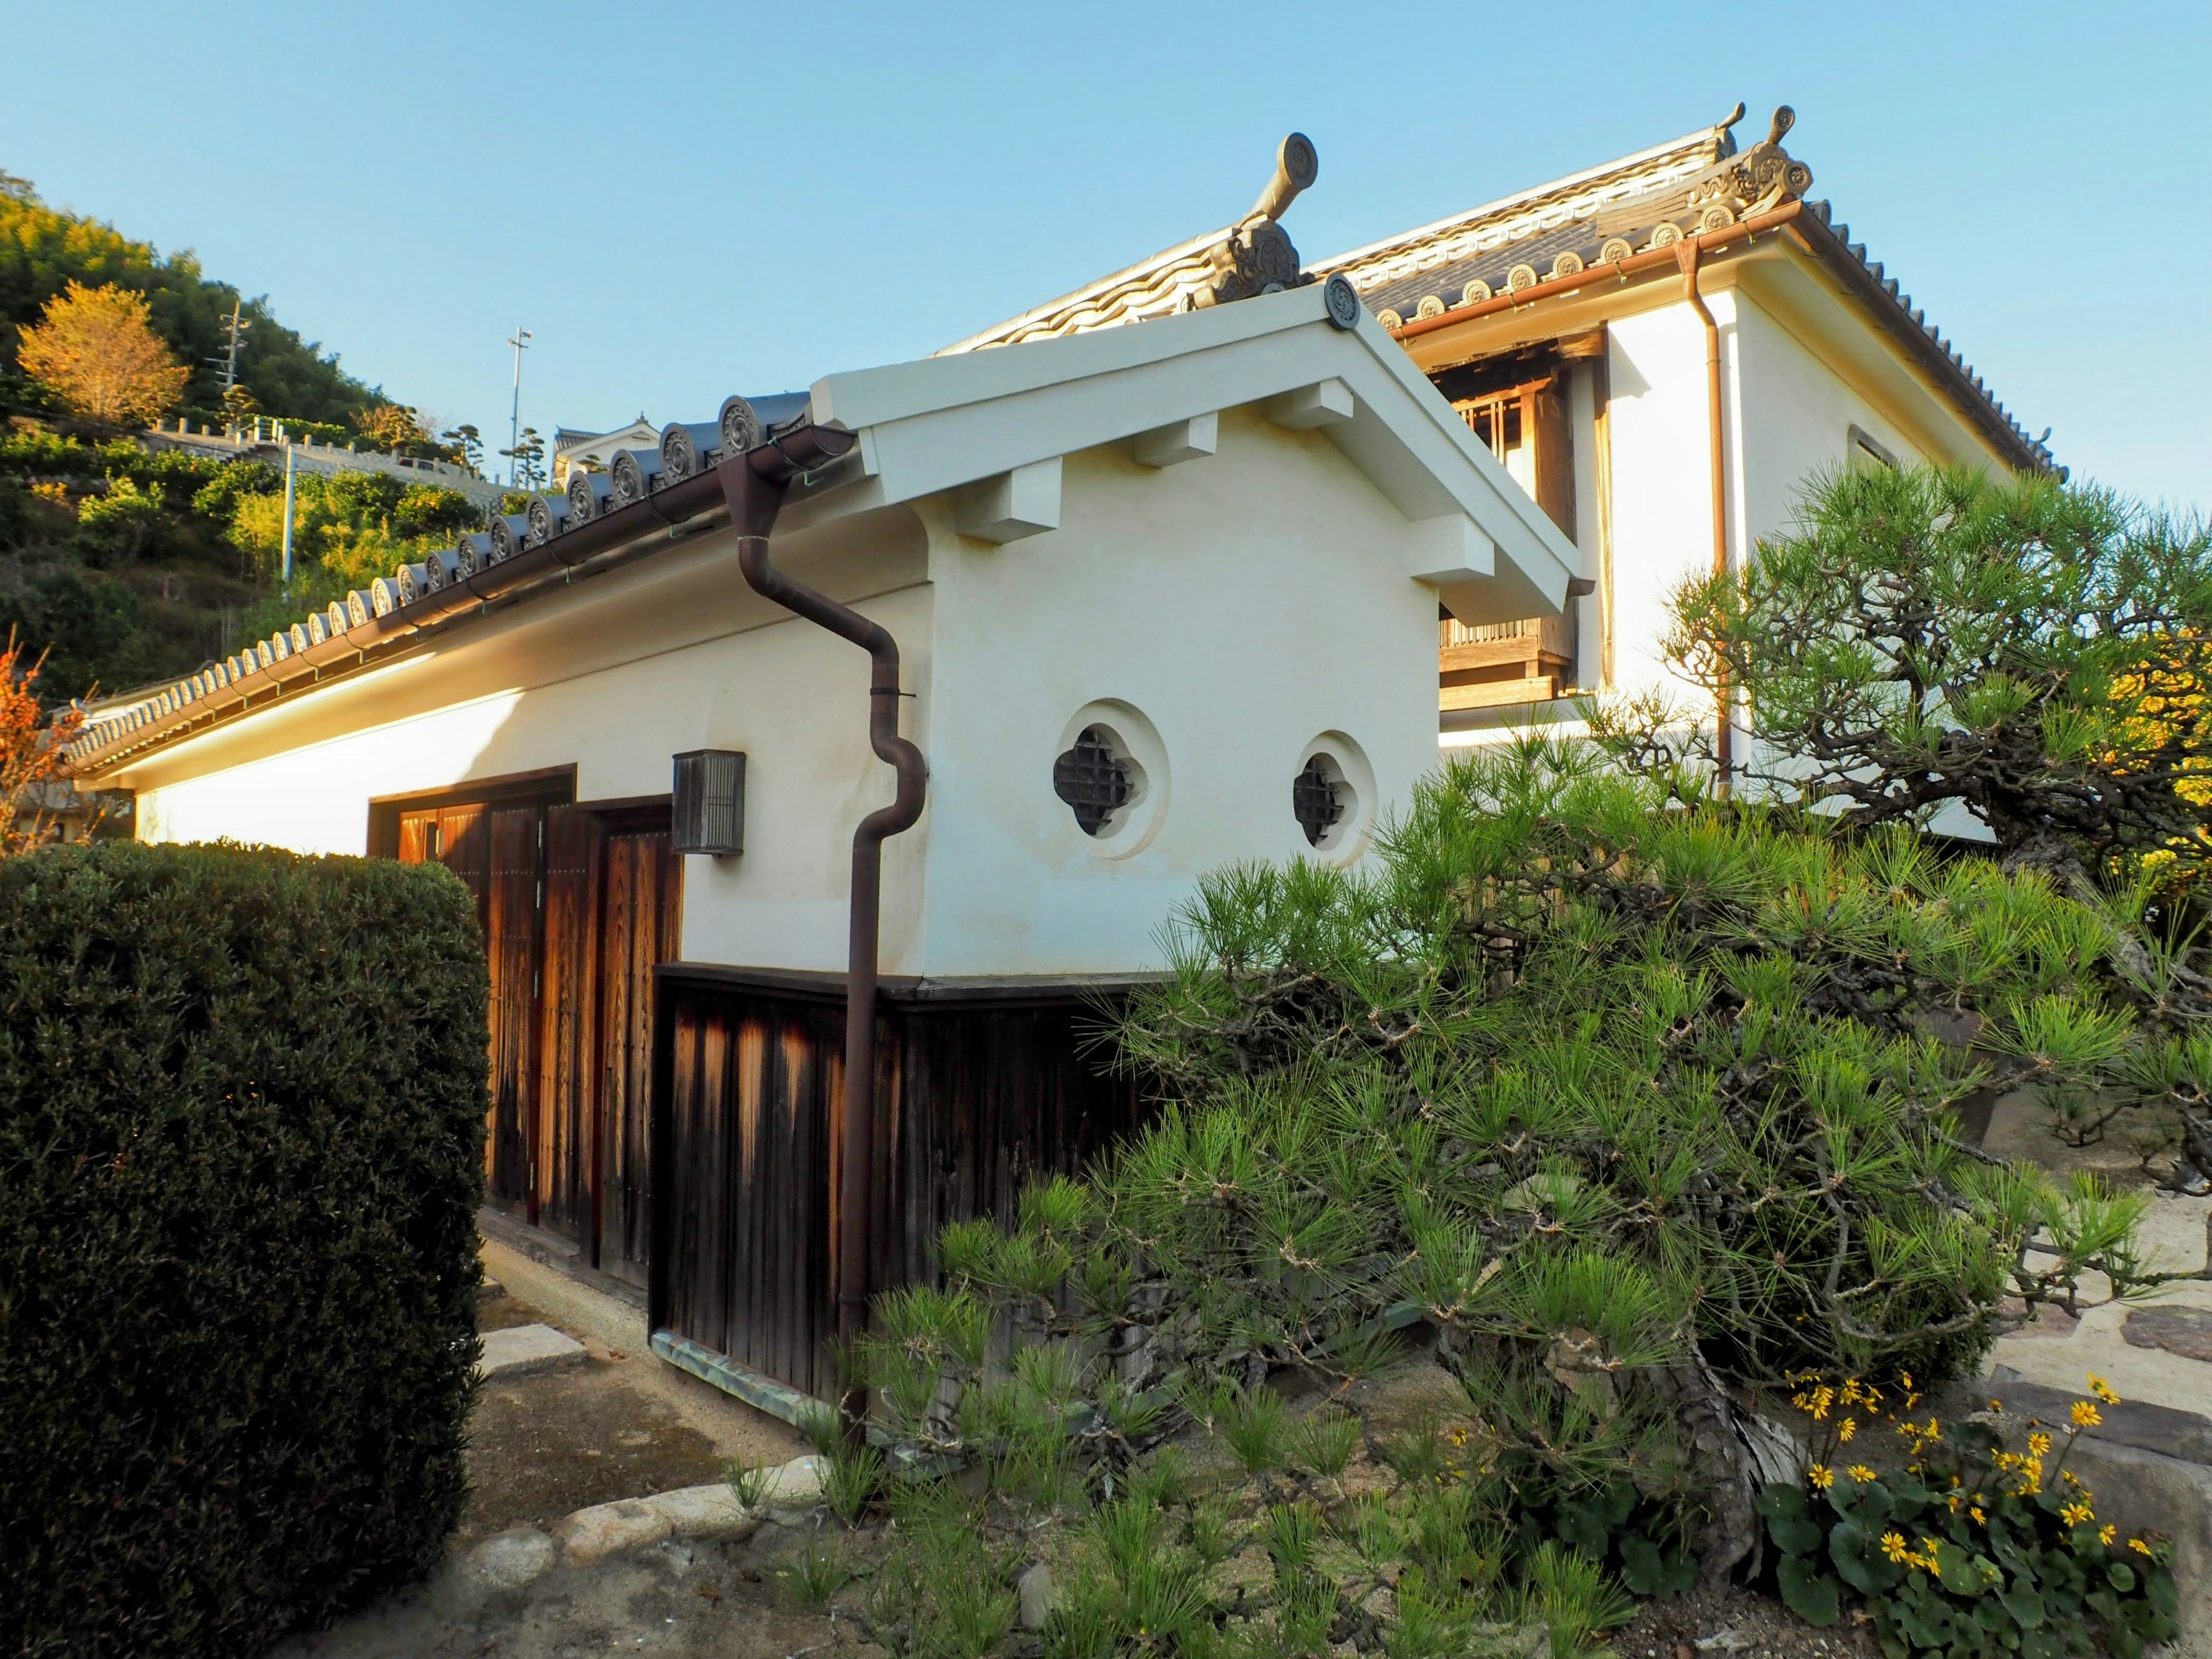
2184 1331
526 1350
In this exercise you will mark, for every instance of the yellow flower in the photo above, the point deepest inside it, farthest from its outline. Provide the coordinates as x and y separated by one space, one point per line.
1893 1547
1851 1391
2073 1515
2039 1443
1979 1518
1819 1476
1860 1473
2138 1547
2086 1415
2102 1389
1997 1405
2104 1533
1906 1377
1850 1426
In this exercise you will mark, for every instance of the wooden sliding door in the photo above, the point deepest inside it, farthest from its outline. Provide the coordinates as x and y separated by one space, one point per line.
579 904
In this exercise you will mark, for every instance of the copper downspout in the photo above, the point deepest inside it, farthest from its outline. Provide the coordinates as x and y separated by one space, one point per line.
1686 254
754 484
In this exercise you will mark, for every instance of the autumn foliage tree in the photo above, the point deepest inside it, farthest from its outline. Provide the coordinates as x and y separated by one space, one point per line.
95 349
31 755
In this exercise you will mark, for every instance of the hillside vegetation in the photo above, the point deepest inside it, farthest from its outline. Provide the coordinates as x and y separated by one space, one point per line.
127 564
43 249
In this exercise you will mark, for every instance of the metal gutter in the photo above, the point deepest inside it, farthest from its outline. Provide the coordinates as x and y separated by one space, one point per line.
754 484
1686 256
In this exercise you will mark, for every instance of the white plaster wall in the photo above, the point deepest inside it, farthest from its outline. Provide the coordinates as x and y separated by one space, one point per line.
1661 476
1794 417
535 696
1246 603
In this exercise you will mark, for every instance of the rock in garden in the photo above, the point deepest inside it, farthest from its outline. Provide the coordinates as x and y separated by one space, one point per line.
793 1489
2184 1331
1035 1589
589 1536
711 1512
510 1558
526 1350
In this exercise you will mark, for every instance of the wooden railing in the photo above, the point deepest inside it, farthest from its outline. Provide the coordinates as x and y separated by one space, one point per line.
1496 664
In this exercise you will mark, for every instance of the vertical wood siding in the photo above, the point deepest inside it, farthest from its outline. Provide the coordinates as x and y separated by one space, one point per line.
644 899
978 1101
511 938
579 904
568 1026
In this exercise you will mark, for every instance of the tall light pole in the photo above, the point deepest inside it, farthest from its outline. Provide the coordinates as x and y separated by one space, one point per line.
521 344
287 515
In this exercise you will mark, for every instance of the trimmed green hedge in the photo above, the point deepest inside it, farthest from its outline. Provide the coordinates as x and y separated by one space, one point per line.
241 1123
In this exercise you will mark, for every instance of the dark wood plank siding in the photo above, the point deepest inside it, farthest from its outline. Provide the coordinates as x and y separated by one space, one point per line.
568 1042
977 1101
511 938
643 902
579 904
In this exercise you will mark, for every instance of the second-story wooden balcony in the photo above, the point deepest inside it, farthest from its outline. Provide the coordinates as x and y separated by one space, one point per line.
1495 665
1499 665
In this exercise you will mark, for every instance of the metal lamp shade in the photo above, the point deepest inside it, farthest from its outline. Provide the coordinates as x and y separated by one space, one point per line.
709 813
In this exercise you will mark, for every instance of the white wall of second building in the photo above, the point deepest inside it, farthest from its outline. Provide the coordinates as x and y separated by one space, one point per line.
1794 416
1662 477
1246 604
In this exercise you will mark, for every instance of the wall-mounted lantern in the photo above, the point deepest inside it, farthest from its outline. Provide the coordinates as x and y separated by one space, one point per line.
709 810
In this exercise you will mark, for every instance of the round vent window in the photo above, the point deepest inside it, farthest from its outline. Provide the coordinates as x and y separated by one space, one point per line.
1333 798
1317 799
1094 781
1109 774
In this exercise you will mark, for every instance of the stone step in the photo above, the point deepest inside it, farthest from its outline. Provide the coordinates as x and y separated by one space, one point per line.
526 1350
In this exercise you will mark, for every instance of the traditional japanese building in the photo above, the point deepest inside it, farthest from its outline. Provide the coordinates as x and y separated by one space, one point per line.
1133 606
792 944
1660 350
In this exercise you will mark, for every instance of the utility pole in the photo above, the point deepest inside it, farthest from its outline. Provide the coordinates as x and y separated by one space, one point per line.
240 323
288 516
521 344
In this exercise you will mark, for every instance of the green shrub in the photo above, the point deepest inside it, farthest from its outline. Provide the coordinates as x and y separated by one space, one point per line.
241 1107
1636 1106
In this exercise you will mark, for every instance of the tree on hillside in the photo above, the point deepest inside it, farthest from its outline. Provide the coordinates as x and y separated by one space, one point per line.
96 350
390 425
2036 654
470 442
43 250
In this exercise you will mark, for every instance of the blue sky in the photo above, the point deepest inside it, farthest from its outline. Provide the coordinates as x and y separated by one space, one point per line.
681 202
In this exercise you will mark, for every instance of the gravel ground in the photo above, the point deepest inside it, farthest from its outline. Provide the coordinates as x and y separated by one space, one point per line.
1733 1625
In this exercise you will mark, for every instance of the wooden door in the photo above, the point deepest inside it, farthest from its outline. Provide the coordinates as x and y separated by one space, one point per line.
511 937
568 1176
578 906
638 931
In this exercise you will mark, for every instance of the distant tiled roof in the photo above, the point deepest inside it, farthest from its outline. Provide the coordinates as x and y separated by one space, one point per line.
1698 183
1480 246
1252 256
